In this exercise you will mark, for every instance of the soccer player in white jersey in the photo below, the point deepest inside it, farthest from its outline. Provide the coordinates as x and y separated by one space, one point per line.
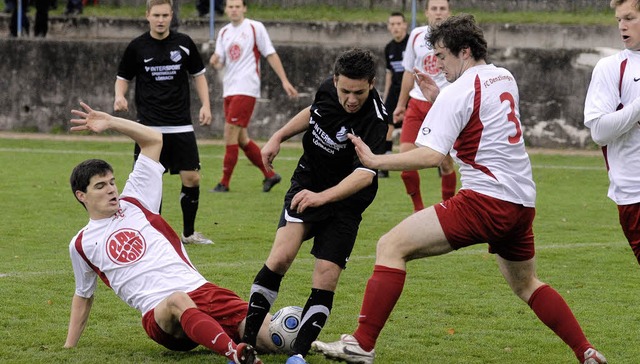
476 118
137 254
239 46
412 107
612 112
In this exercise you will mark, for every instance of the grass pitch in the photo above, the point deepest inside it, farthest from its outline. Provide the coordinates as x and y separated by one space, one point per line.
454 309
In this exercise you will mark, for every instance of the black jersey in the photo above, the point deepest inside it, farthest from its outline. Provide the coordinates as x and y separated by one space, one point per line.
393 54
328 155
162 69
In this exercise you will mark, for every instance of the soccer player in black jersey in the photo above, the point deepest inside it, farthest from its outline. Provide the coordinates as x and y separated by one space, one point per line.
330 189
162 62
393 55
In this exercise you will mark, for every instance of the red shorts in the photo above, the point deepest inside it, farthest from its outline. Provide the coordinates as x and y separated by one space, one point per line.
413 118
238 109
470 218
629 216
219 303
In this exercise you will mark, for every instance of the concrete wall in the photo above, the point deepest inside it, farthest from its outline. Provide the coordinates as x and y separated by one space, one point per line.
44 78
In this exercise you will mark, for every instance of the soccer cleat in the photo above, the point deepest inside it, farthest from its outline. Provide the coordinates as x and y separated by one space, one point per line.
268 183
347 349
196 238
296 359
592 356
219 188
244 354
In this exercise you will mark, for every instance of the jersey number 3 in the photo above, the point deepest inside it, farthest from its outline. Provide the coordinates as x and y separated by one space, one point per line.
511 116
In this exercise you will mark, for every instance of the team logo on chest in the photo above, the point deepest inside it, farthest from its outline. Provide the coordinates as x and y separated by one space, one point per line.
235 51
126 246
175 56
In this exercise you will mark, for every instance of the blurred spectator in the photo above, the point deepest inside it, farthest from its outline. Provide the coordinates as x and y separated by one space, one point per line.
203 7
42 17
9 5
74 7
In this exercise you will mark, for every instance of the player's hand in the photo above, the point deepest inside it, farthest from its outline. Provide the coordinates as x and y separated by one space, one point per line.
214 61
120 104
365 154
305 199
204 117
398 114
428 86
290 90
269 152
92 120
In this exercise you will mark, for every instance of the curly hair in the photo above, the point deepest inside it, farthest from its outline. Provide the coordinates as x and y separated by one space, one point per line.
459 32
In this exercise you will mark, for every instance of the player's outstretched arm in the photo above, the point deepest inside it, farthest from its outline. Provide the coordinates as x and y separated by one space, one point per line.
295 126
80 309
419 158
149 140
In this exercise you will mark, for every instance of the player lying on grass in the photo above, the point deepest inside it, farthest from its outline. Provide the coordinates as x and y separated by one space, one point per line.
137 254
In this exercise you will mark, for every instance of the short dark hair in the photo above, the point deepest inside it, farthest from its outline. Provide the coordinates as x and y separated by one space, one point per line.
397 13
356 64
459 32
82 173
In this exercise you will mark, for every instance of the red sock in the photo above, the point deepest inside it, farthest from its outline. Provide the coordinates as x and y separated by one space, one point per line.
554 312
252 151
382 292
206 331
411 181
229 163
448 183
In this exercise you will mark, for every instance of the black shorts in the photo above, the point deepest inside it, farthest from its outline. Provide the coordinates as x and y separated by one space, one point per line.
334 228
179 152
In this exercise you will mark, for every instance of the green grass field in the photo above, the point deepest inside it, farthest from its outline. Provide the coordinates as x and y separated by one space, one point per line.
455 308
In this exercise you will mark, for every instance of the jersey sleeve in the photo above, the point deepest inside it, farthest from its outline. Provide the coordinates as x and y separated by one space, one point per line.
127 66
220 46
262 40
86 279
409 57
196 65
603 96
145 183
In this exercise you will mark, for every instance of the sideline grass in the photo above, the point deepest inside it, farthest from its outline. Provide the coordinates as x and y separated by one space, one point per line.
342 14
455 308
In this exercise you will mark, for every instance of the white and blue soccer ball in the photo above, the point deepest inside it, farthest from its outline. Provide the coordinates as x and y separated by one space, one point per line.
284 327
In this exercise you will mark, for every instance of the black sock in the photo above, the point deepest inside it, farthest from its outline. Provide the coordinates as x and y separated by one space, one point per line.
264 292
189 197
314 317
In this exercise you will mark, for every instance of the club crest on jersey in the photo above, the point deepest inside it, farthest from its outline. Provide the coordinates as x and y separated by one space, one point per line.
426 130
341 135
235 51
126 246
175 56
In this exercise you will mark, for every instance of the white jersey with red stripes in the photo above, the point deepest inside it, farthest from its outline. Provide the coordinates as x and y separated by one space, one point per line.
477 119
420 54
135 252
615 83
239 48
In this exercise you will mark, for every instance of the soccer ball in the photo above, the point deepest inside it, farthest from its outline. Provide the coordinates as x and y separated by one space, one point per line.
284 327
